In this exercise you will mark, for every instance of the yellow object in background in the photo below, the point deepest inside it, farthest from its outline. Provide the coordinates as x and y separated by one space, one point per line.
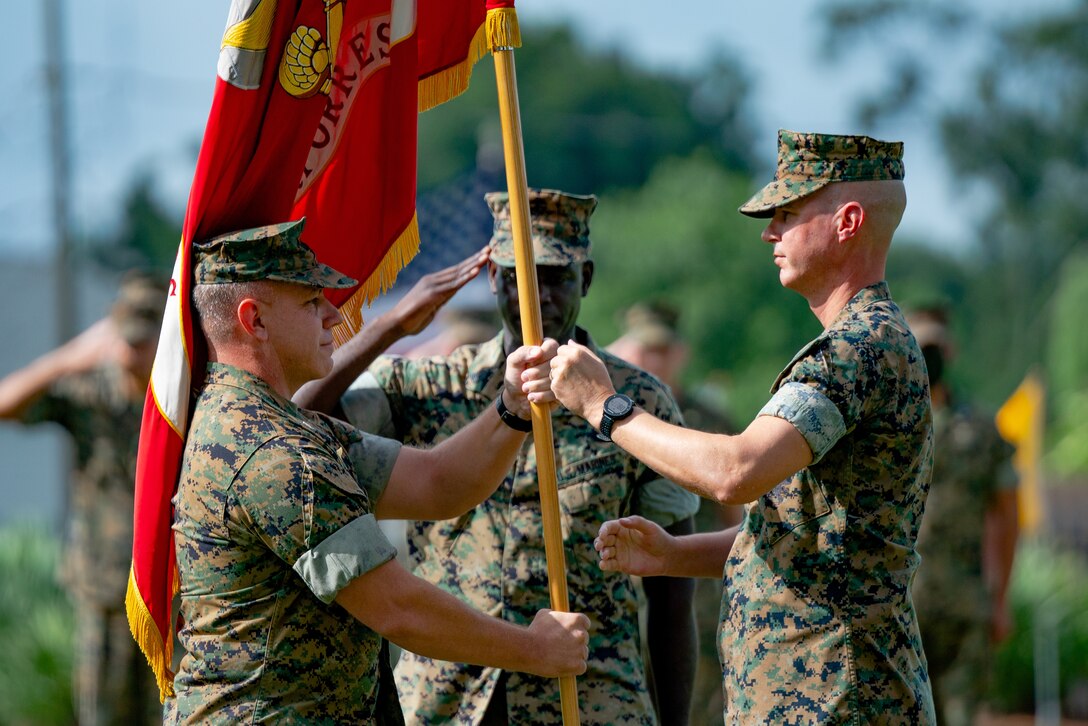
1020 420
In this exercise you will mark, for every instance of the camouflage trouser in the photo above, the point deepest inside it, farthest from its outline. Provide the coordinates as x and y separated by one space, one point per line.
113 682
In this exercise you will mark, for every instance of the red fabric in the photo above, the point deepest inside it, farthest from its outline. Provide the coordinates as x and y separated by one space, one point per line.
444 36
358 198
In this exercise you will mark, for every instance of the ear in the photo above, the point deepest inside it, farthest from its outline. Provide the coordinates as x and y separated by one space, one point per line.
248 313
848 220
587 276
493 272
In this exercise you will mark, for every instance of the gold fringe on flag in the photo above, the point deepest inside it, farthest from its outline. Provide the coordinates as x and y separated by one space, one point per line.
503 30
451 82
399 254
499 30
159 654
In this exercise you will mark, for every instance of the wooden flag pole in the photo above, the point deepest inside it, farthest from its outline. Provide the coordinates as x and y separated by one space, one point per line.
532 334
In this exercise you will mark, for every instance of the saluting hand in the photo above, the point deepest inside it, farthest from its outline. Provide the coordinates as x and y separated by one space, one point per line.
417 308
633 545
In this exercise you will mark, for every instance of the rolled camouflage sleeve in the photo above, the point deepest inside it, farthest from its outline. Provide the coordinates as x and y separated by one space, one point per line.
372 459
347 553
306 506
665 503
813 415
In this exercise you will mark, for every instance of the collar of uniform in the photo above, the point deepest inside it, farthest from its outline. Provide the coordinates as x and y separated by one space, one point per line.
224 374
485 375
862 299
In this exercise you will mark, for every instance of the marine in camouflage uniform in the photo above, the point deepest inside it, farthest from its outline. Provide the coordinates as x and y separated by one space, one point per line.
817 624
272 517
957 590
282 566
98 399
493 556
817 617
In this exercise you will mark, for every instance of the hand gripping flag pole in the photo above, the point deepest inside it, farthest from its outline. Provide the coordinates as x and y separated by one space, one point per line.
503 37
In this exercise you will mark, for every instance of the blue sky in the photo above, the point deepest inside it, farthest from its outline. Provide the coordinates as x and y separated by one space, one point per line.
141 75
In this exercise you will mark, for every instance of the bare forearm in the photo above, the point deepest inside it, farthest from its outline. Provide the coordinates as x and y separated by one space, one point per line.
19 390
702 554
475 460
435 624
421 618
456 475
726 469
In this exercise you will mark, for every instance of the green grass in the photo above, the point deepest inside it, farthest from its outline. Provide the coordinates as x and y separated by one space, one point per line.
36 630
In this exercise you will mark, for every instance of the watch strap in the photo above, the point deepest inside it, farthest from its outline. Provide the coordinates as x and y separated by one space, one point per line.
510 418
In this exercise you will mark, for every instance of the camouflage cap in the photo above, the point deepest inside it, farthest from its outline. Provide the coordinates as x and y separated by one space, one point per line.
137 311
272 252
558 227
652 323
808 162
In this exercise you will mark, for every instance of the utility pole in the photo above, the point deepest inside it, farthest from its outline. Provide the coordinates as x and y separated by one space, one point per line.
60 157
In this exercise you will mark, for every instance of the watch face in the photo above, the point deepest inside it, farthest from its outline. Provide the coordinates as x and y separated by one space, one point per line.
617 405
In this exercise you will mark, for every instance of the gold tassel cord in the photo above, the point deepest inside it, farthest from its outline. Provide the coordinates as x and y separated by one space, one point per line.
396 258
159 654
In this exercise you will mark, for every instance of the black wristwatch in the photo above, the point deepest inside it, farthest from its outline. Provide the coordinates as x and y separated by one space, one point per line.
510 418
616 407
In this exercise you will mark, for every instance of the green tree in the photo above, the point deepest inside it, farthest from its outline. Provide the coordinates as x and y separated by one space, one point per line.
148 236
1067 370
1016 135
592 120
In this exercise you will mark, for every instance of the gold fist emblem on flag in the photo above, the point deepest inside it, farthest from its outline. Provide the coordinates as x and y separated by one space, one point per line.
305 66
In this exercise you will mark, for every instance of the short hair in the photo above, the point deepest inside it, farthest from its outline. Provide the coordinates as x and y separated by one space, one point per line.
215 305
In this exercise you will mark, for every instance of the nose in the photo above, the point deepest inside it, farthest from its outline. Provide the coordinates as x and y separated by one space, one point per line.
768 234
331 316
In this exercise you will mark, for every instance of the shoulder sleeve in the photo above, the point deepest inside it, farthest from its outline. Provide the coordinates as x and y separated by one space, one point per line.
366 406
823 393
303 503
372 460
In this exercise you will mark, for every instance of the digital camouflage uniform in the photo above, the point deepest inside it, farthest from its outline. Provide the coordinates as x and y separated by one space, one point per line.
113 683
493 556
273 517
971 464
817 621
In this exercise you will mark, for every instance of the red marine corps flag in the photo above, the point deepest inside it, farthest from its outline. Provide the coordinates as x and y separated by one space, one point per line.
314 114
